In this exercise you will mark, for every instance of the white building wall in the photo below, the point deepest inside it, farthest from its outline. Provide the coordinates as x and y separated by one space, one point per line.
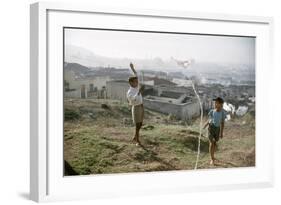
98 81
117 90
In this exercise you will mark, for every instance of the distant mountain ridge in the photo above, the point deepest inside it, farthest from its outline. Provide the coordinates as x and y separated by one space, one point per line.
87 58
76 67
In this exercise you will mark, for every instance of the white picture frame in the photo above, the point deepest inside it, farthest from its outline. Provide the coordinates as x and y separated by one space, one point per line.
47 182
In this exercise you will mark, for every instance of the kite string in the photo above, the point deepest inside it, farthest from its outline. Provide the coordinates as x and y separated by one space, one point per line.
181 63
201 120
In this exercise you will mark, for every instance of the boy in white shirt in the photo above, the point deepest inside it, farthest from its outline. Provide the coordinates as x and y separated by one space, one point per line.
134 96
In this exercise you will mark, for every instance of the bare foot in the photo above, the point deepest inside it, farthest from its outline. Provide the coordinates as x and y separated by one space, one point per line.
138 143
212 162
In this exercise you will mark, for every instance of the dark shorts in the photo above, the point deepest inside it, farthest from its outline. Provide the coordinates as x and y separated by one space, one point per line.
214 133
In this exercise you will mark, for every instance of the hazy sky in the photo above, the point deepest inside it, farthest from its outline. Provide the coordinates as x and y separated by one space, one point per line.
123 44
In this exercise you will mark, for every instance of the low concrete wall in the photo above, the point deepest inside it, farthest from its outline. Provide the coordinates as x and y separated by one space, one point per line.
184 111
72 94
190 110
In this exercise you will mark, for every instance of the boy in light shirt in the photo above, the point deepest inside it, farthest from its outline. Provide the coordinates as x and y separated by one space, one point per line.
134 96
215 125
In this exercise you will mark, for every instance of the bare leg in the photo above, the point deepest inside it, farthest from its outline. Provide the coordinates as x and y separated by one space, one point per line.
136 134
212 147
136 138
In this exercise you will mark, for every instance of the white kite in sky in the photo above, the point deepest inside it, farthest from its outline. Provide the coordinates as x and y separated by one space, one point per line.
183 63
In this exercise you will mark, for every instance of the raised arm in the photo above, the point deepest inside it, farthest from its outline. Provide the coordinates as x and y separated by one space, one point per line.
133 68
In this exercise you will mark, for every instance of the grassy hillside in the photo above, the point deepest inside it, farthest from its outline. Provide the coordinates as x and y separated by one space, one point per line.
98 133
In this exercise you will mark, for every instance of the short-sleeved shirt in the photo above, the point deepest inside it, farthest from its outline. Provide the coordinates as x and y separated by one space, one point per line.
133 96
215 117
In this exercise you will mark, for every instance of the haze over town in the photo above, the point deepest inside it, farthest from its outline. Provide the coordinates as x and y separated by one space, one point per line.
156 50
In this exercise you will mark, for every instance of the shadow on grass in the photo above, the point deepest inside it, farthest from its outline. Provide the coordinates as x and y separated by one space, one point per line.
192 143
150 155
224 163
